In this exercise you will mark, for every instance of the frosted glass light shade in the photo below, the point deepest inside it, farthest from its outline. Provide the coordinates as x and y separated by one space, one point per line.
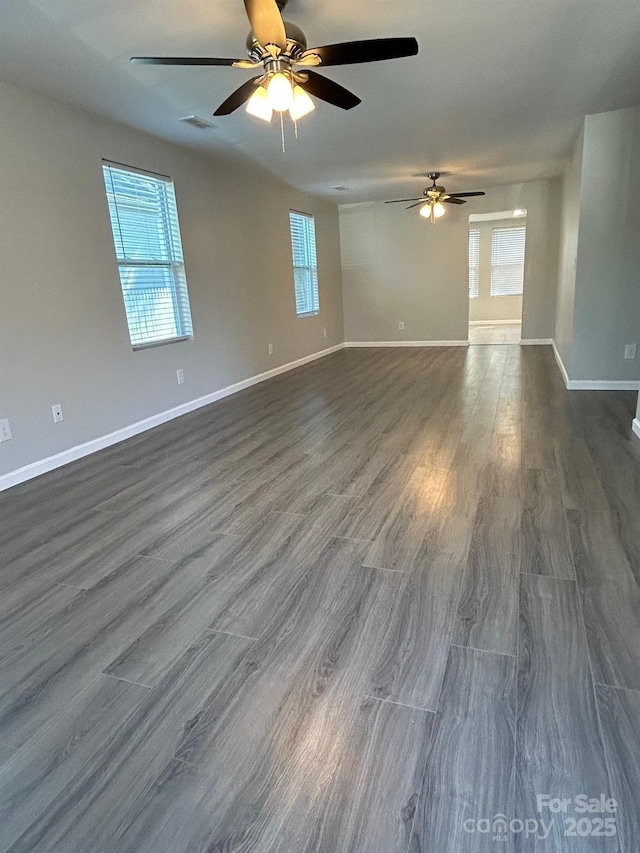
302 104
280 92
259 105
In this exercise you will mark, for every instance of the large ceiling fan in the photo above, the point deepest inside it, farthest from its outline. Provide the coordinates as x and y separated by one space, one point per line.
434 199
276 47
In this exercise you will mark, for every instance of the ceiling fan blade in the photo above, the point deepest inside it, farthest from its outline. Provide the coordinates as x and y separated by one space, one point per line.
422 201
369 50
266 22
237 98
452 200
330 91
182 60
400 200
464 195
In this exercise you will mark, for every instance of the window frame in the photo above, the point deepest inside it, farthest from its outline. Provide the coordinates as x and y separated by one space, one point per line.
474 268
311 269
174 264
522 226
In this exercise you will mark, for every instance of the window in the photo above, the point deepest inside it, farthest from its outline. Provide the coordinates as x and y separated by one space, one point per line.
474 263
507 261
305 263
146 234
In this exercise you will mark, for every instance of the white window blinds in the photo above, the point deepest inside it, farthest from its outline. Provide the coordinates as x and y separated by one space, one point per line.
146 234
474 263
507 261
305 263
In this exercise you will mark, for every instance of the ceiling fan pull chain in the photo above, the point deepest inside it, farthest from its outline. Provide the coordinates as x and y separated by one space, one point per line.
284 148
295 129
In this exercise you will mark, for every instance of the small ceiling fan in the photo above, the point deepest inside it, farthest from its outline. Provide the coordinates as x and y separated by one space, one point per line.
434 198
276 47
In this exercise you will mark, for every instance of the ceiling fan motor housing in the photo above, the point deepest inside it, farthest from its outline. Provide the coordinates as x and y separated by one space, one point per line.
296 43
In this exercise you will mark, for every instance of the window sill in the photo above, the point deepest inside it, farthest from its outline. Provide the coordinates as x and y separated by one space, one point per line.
309 314
153 344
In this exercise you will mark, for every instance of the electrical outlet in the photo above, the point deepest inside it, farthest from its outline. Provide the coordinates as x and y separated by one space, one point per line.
630 351
5 431
401 326
324 333
58 417
270 348
180 376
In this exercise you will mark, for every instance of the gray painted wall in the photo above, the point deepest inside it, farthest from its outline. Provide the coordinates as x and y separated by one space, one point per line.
397 267
63 334
607 294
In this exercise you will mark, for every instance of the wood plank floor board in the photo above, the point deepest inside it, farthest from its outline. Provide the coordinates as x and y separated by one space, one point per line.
413 654
620 716
537 418
409 521
617 458
579 481
472 740
263 580
488 610
327 511
368 517
16 626
559 747
6 752
610 599
463 487
545 542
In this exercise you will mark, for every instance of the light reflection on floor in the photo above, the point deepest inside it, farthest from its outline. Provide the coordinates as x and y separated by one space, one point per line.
494 334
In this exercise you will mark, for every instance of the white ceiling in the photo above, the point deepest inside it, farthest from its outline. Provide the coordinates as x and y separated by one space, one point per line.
496 94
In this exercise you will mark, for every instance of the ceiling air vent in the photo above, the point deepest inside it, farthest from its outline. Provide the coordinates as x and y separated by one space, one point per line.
198 122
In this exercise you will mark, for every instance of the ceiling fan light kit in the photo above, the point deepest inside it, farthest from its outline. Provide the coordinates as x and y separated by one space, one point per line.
275 47
434 198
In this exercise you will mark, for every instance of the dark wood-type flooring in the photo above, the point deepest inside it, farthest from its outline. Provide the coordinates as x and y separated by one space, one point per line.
360 608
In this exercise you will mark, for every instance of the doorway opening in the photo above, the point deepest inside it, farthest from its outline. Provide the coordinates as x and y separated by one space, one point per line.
496 276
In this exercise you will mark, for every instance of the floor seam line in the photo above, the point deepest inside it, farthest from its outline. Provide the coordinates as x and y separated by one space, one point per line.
482 651
400 704
127 680
230 634
618 687
554 577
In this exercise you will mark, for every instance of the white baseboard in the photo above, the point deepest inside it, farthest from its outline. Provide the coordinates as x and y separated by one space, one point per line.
35 469
407 344
636 427
603 385
594 384
536 342
560 363
495 322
